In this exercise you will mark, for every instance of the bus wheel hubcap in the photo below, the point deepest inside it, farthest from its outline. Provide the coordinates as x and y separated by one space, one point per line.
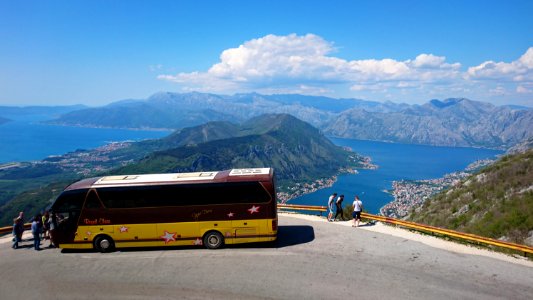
104 244
213 240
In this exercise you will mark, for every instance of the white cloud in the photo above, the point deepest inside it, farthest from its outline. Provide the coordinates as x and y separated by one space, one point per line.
523 90
295 61
498 91
306 64
527 59
518 70
428 61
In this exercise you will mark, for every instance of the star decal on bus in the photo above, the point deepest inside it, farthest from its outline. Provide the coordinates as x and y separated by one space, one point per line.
253 209
197 242
168 237
88 233
230 215
123 229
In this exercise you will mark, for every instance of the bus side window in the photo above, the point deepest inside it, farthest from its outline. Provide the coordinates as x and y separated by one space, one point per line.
92 200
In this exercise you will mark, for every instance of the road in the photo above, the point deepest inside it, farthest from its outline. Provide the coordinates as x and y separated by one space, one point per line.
311 260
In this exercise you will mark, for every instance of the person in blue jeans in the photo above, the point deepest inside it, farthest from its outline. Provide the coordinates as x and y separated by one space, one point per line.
18 229
36 231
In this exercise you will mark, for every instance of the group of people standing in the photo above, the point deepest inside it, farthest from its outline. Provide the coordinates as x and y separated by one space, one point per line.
335 205
42 227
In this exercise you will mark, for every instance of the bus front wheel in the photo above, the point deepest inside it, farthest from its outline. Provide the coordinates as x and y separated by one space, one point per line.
213 240
104 243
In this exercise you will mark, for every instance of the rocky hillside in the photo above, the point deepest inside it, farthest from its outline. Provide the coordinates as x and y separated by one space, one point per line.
452 122
521 147
497 202
295 149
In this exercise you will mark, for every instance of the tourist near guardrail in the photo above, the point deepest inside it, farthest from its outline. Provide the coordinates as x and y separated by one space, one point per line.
9 229
424 228
411 225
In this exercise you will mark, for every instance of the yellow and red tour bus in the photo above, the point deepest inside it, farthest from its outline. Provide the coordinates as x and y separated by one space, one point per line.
202 208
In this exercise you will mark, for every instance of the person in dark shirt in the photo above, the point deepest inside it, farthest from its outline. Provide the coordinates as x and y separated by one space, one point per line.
339 207
18 229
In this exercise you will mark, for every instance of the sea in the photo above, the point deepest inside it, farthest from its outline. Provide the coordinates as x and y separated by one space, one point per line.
395 162
28 139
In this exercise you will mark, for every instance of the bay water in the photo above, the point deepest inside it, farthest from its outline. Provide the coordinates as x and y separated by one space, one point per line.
395 162
28 140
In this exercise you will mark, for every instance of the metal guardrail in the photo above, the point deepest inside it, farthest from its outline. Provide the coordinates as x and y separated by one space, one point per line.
449 232
9 229
423 228
303 207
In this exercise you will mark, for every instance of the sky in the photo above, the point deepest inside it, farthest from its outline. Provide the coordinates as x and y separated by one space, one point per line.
96 52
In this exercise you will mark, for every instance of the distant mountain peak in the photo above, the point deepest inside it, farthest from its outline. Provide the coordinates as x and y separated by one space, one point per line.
447 102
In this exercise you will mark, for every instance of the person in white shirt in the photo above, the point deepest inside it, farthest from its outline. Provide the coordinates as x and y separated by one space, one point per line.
331 201
357 208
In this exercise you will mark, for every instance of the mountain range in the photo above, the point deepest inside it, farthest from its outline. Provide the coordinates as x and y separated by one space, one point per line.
451 122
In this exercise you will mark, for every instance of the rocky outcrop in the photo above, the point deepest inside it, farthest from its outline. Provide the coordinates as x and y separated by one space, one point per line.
454 122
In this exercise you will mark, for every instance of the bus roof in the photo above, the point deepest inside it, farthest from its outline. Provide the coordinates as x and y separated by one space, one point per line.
167 178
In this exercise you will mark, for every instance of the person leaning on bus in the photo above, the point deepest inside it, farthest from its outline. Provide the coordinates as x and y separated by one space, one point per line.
52 225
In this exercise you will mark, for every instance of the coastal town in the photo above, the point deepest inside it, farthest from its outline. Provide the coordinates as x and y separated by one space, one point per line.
96 160
300 189
409 194
82 162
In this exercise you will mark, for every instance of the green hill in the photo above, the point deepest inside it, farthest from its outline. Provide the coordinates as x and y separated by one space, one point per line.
295 149
497 202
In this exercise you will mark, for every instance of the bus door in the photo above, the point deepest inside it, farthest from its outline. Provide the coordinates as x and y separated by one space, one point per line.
95 219
67 209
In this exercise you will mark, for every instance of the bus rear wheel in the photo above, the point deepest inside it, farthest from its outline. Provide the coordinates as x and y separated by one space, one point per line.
104 243
213 240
